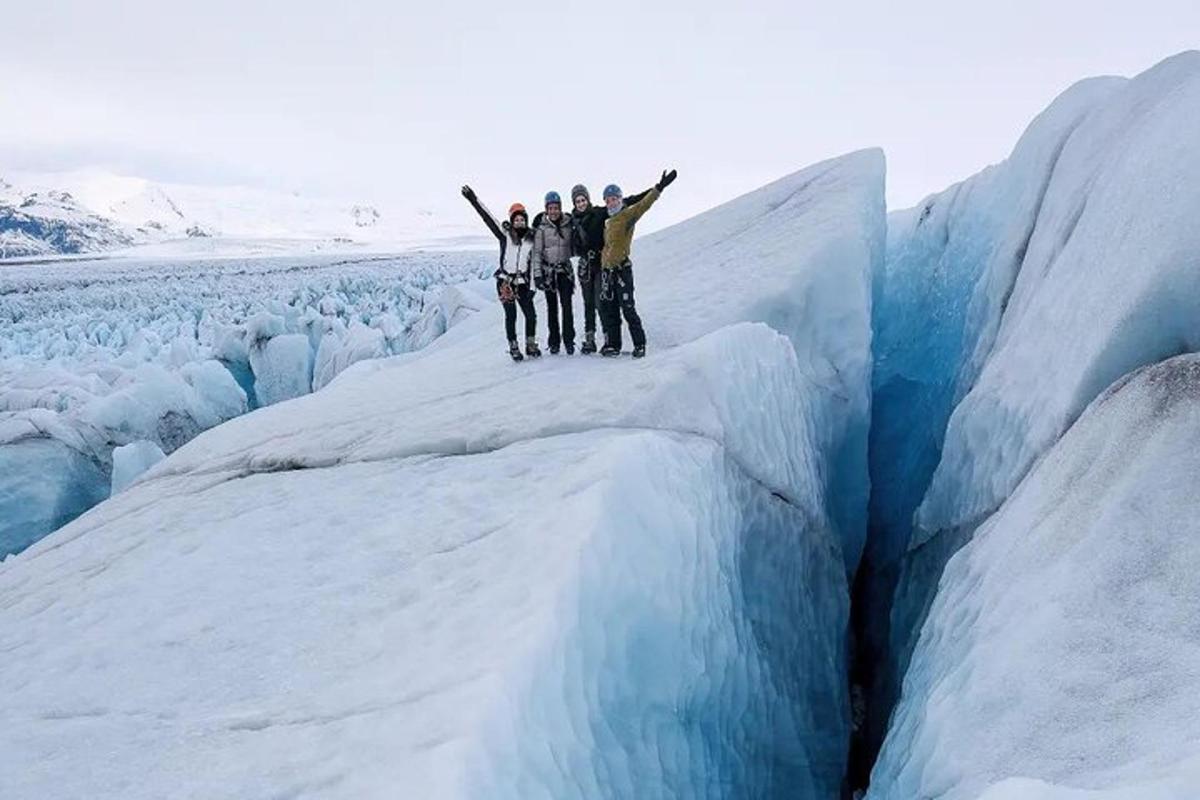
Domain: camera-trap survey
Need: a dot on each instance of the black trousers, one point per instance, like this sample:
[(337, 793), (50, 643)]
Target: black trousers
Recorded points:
[(615, 299), (563, 295), (523, 297), (589, 287)]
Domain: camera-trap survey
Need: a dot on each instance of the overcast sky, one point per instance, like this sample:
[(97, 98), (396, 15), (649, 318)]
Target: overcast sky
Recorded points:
[(388, 101)]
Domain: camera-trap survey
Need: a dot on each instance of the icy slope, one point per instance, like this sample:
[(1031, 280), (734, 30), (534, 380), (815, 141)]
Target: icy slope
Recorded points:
[(950, 266), (1062, 645), (446, 575), (1109, 283), (1008, 304), (100, 354), (796, 255)]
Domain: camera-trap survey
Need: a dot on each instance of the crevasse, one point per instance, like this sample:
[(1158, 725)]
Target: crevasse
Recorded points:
[(1093, 276)]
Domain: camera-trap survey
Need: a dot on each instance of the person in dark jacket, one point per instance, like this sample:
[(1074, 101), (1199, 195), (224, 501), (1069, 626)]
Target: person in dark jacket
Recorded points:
[(615, 294), (588, 223), (551, 267), (513, 274)]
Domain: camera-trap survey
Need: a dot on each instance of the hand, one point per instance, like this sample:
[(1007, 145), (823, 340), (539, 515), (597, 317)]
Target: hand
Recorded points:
[(541, 284), (468, 192), (506, 291), (666, 180)]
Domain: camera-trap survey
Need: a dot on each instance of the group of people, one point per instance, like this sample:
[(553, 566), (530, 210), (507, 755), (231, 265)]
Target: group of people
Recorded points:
[(538, 257)]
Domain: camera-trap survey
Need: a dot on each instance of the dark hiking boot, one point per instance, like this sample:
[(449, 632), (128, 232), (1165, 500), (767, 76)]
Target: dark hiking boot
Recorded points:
[(531, 349), (589, 344), (570, 349), (639, 351), (608, 351), (515, 352)]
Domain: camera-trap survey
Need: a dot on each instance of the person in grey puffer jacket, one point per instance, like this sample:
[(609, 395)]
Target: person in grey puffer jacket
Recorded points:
[(551, 270)]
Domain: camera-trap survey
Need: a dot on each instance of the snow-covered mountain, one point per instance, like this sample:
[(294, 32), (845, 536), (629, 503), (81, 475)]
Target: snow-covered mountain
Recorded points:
[(50, 221), (905, 496), (94, 211)]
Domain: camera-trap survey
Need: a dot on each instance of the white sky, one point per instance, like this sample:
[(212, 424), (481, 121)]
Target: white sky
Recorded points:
[(389, 102)]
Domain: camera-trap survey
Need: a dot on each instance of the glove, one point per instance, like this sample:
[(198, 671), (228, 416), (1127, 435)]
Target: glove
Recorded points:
[(666, 180), (540, 283), (468, 192)]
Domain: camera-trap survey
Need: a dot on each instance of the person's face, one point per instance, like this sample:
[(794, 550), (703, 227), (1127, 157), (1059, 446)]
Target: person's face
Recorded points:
[(582, 204), (613, 203), (519, 222), (554, 210)]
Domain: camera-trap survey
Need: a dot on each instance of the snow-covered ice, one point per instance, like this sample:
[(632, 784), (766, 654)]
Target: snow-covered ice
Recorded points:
[(99, 354), (1063, 645), (448, 575)]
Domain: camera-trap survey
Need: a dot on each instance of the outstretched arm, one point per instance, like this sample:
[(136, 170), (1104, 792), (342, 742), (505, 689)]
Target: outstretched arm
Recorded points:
[(486, 215), (643, 203), (636, 210), (634, 199)]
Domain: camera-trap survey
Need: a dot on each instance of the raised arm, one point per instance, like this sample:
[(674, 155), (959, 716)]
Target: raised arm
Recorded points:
[(486, 215), (636, 210), (640, 205), (634, 199)]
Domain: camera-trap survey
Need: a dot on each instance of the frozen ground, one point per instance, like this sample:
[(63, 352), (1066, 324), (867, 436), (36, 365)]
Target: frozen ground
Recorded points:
[(99, 354), (448, 575)]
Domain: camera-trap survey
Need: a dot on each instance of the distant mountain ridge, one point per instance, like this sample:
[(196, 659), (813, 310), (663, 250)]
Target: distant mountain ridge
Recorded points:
[(90, 211)]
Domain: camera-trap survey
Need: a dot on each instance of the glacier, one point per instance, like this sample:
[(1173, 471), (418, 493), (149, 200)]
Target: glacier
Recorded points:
[(99, 354), (1008, 304), (448, 575), (900, 505), (1061, 658)]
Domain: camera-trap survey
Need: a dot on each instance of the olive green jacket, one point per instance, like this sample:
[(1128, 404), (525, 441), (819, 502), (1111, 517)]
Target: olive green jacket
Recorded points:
[(618, 231)]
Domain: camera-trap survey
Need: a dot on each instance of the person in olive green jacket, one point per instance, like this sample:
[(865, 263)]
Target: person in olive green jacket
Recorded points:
[(616, 270)]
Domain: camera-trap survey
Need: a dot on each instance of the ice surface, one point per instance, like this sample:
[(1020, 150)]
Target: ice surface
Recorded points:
[(44, 484), (809, 279), (131, 460), (111, 352), (282, 367), (951, 263), (1108, 283), (950, 266), (1008, 303), (448, 575), (1063, 645)]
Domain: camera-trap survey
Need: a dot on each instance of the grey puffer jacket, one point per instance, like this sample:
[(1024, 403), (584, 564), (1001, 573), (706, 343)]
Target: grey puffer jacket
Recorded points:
[(551, 244)]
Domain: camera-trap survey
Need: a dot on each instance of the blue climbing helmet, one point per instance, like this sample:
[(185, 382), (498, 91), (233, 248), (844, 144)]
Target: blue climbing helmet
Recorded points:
[(612, 190), (552, 197)]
